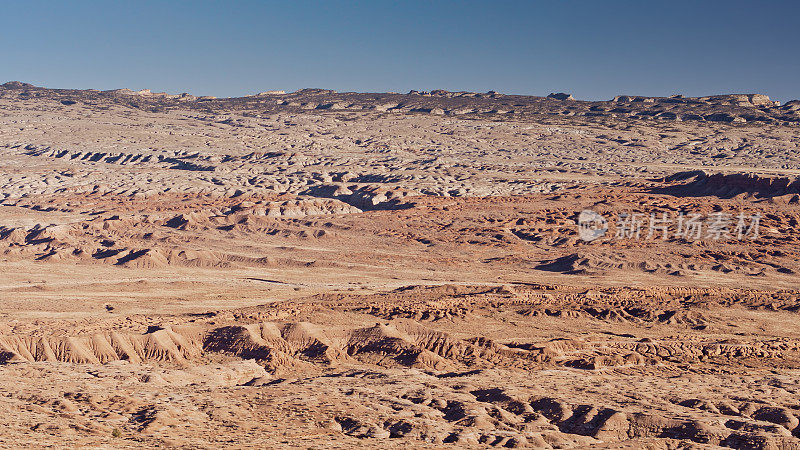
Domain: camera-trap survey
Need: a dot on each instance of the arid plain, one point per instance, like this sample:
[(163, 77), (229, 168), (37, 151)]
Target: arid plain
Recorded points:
[(335, 270)]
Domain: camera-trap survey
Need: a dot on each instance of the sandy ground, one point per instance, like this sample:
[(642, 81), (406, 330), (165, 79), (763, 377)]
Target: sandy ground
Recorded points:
[(330, 270)]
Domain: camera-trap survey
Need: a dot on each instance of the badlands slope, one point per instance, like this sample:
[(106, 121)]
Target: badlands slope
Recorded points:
[(334, 270)]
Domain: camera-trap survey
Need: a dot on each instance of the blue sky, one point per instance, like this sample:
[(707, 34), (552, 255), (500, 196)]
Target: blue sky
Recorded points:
[(592, 49)]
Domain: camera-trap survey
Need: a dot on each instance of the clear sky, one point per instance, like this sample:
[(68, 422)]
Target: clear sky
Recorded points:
[(594, 49)]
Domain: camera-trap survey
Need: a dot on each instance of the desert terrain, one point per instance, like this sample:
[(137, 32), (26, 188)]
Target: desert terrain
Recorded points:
[(319, 269)]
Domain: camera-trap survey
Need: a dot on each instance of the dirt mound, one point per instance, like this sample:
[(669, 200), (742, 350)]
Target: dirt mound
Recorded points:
[(296, 345), (158, 345), (732, 185)]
